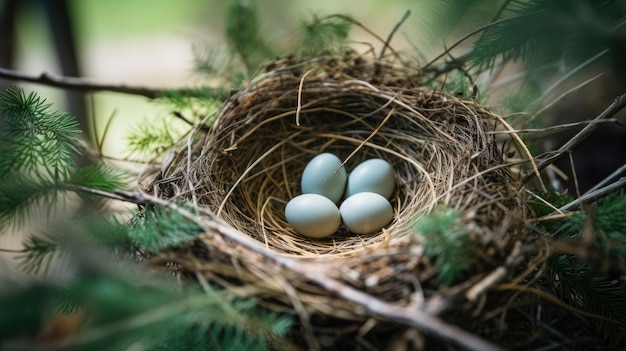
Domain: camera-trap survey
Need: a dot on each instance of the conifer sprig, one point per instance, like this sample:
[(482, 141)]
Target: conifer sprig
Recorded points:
[(589, 289), (150, 139), (607, 222), (122, 310), (38, 152), (157, 228), (19, 195), (244, 35), (97, 177), (328, 34), (577, 281), (542, 31), (39, 253), (446, 243), (36, 138)]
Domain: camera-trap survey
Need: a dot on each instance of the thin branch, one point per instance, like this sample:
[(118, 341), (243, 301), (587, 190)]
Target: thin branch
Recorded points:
[(86, 85), (76, 83), (593, 195), (120, 195), (413, 316), (180, 116), (547, 131), (569, 75), (614, 108), (608, 179), (393, 31), (360, 25), (12, 251), (500, 10)]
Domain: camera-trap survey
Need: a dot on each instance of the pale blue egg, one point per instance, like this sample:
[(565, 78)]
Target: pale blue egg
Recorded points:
[(374, 175), (313, 215), (366, 212), (323, 176)]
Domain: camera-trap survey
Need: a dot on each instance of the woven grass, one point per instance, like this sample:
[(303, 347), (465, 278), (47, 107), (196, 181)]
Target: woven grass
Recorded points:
[(247, 167)]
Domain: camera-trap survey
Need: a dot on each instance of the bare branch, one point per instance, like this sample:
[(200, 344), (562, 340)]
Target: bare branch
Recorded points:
[(594, 195), (86, 85), (614, 108), (79, 84)]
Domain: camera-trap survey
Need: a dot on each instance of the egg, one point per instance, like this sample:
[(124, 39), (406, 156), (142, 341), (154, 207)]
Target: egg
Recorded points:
[(323, 176), (313, 215), (374, 175), (366, 212)]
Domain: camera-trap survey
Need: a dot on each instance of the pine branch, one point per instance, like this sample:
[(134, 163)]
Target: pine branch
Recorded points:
[(149, 139), (543, 31), (221, 64), (111, 233), (39, 253), (445, 243), (124, 309), (328, 34), (37, 155), (18, 196), (98, 177), (244, 35), (36, 138), (590, 290), (157, 228)]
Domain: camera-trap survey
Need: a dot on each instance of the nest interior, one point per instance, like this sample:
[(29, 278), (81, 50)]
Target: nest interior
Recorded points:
[(440, 147), (248, 166)]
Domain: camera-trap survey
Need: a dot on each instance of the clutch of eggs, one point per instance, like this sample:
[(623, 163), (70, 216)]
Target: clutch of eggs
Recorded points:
[(365, 192)]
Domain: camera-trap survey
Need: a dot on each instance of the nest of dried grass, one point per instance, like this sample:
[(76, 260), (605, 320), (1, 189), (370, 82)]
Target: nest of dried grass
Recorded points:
[(245, 169)]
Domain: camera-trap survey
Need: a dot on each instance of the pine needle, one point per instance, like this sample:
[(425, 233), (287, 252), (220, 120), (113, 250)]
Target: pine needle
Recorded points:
[(445, 242)]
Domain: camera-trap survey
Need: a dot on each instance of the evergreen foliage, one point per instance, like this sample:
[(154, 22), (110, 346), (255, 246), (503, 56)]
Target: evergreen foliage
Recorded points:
[(151, 138), (155, 228), (219, 64), (39, 253), (607, 223), (249, 47), (543, 32), (446, 242), (123, 309), (328, 34), (548, 38), (582, 283), (38, 150), (589, 289), (160, 134), (126, 312), (244, 35), (36, 138), (111, 233), (115, 308)]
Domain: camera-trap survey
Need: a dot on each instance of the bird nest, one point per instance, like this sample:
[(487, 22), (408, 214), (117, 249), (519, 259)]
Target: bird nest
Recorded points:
[(247, 166)]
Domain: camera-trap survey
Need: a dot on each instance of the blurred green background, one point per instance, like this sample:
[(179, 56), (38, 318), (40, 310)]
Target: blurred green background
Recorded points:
[(149, 43)]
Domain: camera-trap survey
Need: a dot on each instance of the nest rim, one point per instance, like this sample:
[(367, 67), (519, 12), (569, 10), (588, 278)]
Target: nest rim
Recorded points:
[(315, 87)]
